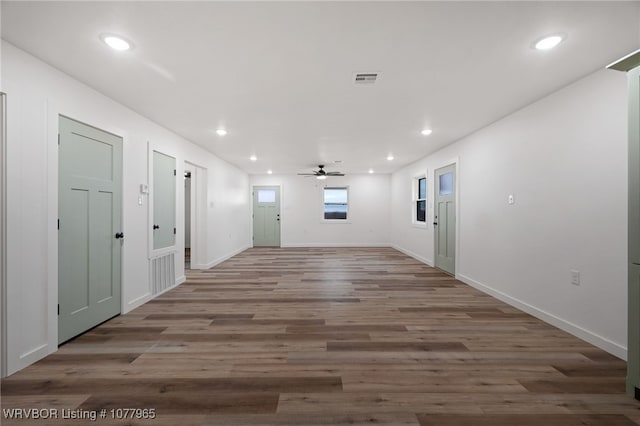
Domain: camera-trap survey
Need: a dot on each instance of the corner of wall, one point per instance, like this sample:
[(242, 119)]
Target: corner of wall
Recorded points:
[(223, 258), (413, 254)]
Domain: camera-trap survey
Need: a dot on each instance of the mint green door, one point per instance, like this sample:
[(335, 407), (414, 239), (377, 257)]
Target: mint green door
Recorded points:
[(164, 200), (266, 216), (633, 346), (444, 220), (89, 237)]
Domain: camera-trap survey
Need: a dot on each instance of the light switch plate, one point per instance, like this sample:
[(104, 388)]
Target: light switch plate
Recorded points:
[(575, 277), (511, 199)]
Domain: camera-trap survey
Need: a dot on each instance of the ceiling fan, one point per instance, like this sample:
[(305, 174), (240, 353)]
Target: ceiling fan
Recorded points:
[(321, 173)]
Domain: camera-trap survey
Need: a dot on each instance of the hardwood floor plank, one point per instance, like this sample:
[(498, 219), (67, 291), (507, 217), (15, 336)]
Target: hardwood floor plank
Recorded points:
[(396, 346), (336, 419), (345, 328), (590, 370), (201, 403), (525, 420), (597, 385), (160, 386), (204, 315)]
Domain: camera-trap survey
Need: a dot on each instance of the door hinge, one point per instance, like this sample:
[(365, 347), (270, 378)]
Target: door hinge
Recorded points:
[(58, 224), (58, 139), (174, 231), (58, 309), (174, 172)]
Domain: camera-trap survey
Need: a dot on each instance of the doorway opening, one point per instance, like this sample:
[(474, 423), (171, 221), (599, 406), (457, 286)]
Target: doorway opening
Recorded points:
[(195, 217), (187, 218)]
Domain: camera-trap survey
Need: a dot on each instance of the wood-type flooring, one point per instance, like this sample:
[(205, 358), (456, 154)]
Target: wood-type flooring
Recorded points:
[(322, 336)]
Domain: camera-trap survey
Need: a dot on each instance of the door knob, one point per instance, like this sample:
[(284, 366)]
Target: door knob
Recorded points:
[(435, 223), (120, 235), (156, 227)]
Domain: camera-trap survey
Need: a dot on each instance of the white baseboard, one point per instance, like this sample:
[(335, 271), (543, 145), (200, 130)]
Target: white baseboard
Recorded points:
[(31, 356), (586, 335), (414, 255), (322, 245), (225, 257), (198, 266), (137, 302)]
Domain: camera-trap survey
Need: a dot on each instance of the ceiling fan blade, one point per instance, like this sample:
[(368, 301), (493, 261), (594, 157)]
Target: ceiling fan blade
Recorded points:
[(335, 174), (307, 174)]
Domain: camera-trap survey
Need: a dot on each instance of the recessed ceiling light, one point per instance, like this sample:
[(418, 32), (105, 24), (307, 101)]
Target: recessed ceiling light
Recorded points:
[(221, 132), (253, 158), (390, 157), (426, 132), (269, 172), (548, 42), (115, 42), (370, 170)]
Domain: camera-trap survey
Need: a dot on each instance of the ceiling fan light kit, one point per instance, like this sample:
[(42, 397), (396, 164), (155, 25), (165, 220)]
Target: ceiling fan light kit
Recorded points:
[(321, 174)]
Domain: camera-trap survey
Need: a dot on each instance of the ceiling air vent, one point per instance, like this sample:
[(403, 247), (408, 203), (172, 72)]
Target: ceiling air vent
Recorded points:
[(365, 77)]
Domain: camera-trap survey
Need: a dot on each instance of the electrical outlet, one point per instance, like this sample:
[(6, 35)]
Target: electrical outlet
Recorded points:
[(575, 277), (139, 201)]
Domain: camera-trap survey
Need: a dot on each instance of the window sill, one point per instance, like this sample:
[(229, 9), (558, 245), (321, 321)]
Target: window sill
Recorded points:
[(335, 221), (420, 225)]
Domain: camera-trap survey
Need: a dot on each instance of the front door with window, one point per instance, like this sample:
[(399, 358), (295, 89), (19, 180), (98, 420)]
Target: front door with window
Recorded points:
[(266, 216), (444, 220)]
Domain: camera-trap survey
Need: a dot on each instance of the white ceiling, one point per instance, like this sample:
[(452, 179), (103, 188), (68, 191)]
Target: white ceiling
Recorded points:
[(278, 75)]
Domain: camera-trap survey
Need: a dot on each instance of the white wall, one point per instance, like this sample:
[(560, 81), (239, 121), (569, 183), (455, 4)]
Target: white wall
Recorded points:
[(564, 159), (36, 94), (301, 210)]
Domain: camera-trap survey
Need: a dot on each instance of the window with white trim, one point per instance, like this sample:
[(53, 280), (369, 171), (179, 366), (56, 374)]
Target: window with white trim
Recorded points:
[(335, 203), (420, 199)]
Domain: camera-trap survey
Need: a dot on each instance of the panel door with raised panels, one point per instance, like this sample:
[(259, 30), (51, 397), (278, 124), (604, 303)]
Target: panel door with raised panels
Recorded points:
[(90, 232)]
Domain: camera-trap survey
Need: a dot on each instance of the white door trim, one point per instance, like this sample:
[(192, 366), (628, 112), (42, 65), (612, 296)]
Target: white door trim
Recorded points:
[(199, 247), (3, 234)]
